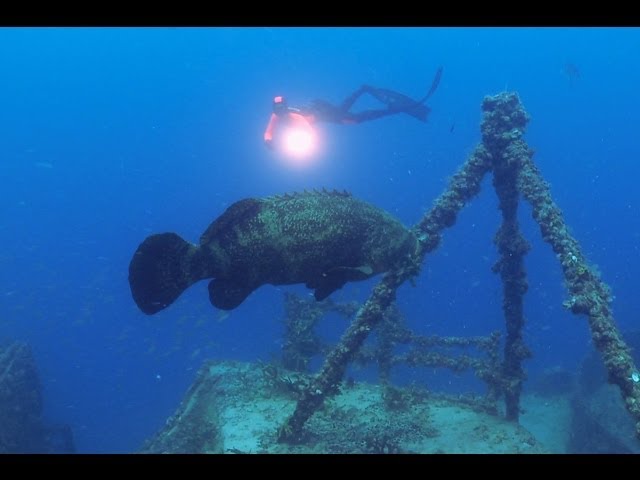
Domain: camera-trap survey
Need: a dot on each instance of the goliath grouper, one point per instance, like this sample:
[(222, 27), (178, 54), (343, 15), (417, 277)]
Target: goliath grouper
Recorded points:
[(322, 239)]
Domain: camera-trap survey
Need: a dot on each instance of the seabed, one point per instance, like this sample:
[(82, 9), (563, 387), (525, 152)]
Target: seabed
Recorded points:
[(238, 407)]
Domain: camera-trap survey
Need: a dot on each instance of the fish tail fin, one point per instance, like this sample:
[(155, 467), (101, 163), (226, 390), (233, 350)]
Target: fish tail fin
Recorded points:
[(161, 269)]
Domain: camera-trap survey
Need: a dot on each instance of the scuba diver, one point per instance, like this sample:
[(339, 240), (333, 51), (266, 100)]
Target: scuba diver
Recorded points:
[(323, 111)]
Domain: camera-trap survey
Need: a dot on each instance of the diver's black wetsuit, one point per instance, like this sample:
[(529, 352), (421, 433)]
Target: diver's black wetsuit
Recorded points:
[(324, 111)]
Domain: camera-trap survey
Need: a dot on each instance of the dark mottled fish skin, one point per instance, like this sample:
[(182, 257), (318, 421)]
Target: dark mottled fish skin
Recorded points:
[(322, 239)]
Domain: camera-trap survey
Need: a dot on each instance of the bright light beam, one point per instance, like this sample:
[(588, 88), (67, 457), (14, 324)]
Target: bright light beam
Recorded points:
[(299, 144)]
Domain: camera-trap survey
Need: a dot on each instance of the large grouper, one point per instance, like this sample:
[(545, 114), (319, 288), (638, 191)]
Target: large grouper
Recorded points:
[(322, 239)]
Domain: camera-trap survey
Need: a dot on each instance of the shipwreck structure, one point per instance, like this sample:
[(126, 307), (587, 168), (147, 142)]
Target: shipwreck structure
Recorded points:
[(302, 343), (283, 407), (504, 153), (22, 428)]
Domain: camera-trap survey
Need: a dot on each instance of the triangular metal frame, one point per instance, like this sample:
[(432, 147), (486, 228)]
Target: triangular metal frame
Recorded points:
[(504, 152)]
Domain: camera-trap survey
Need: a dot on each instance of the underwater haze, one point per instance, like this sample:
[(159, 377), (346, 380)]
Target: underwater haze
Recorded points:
[(110, 135)]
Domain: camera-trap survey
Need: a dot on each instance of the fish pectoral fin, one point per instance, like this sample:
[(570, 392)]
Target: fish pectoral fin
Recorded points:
[(352, 273), (364, 271), (334, 279), (227, 294), (326, 288)]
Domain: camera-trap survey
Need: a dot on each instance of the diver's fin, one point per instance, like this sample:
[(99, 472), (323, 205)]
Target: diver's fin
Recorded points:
[(227, 294), (335, 279), (434, 85), (160, 270)]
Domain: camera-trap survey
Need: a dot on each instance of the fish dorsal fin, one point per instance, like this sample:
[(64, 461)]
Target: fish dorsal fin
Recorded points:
[(314, 192), (238, 212)]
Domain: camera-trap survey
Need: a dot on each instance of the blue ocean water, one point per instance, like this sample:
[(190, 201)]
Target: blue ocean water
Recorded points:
[(112, 134)]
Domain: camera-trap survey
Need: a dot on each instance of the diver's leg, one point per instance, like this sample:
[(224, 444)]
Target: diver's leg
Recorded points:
[(421, 112), (348, 102), (396, 103), (391, 98), (368, 115), (381, 94)]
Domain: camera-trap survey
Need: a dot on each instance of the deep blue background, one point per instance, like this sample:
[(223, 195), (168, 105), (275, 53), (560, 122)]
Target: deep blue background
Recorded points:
[(111, 134)]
